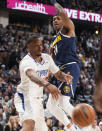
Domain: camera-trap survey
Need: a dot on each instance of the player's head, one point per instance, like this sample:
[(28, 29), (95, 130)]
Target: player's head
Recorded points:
[(57, 22), (34, 45), (94, 123)]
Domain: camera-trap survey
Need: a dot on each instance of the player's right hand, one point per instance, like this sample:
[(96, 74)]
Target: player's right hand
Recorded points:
[(69, 78), (55, 92)]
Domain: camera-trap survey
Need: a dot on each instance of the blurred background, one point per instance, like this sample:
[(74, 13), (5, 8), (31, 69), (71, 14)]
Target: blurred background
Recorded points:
[(16, 26)]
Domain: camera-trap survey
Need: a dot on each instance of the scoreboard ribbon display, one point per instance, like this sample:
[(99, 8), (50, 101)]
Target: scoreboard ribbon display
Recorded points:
[(50, 10)]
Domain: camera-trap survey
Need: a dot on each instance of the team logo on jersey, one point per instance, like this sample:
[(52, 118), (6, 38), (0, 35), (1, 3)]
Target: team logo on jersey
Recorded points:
[(66, 89), (42, 73), (56, 40)]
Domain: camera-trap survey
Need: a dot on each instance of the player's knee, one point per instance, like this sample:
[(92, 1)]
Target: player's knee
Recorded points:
[(28, 125)]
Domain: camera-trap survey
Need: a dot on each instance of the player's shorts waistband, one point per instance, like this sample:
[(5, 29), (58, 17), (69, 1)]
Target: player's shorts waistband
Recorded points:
[(68, 64), (36, 97)]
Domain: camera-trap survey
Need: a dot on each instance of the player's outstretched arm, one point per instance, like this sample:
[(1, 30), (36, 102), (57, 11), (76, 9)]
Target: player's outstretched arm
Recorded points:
[(67, 22), (38, 80), (64, 77)]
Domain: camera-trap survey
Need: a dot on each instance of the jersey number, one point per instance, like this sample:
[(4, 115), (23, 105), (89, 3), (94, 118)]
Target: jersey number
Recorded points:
[(55, 50)]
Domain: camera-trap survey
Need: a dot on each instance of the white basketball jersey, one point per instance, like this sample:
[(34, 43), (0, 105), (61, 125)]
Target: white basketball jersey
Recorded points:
[(28, 62)]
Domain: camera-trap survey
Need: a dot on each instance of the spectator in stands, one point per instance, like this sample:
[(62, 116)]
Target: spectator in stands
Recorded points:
[(2, 121), (94, 126), (60, 126), (49, 123), (12, 124), (100, 125), (1, 128)]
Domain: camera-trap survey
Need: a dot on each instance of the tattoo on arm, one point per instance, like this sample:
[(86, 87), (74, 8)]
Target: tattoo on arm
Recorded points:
[(35, 78), (60, 76)]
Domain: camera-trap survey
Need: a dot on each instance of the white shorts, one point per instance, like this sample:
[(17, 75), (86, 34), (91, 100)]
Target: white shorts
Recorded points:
[(29, 108)]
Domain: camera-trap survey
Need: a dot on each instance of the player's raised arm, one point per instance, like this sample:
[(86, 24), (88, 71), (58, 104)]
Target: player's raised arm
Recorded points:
[(35, 78), (67, 22)]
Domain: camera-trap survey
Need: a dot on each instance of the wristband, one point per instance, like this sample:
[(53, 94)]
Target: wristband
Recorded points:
[(47, 84)]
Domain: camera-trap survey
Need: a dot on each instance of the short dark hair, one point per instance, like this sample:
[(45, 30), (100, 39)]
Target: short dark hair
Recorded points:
[(32, 38)]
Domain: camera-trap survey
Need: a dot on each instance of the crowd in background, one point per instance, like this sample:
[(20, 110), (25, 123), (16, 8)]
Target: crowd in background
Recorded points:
[(13, 49)]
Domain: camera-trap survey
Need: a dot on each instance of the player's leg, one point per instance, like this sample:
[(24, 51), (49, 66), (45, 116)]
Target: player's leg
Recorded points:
[(68, 108), (24, 109), (66, 105), (41, 125), (69, 90), (28, 125), (38, 112), (54, 107)]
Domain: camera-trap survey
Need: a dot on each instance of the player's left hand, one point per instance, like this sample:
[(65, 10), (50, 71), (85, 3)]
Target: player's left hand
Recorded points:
[(69, 78)]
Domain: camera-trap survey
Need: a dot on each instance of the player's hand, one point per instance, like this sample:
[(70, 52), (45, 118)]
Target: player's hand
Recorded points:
[(55, 92), (48, 78), (69, 78)]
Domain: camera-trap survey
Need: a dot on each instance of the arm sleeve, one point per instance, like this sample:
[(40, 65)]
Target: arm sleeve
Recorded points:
[(53, 67)]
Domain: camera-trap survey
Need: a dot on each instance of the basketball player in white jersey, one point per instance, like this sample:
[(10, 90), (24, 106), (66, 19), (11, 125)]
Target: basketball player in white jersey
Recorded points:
[(34, 68)]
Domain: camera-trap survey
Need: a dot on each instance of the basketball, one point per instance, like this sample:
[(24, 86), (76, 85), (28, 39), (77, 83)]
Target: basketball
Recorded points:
[(83, 115)]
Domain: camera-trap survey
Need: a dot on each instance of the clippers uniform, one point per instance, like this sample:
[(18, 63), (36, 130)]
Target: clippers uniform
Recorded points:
[(29, 96)]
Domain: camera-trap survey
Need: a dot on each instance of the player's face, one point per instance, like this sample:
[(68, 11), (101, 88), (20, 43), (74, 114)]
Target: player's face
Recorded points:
[(57, 23), (100, 126), (94, 123), (36, 48)]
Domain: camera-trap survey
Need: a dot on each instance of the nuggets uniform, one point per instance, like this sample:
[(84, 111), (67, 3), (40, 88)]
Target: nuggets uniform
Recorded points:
[(64, 49), (28, 99)]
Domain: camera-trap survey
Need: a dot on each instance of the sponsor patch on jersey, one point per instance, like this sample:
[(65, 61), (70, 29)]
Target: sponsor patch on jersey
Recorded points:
[(66, 89), (42, 73)]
